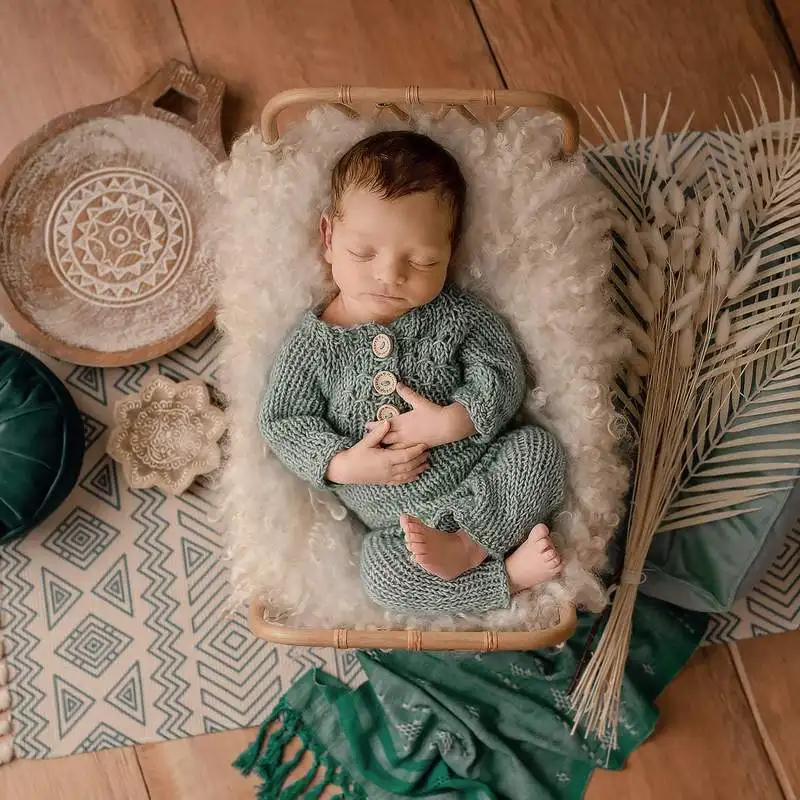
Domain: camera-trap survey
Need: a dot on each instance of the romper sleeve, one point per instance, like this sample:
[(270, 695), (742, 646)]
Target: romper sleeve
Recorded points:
[(494, 373), (292, 417)]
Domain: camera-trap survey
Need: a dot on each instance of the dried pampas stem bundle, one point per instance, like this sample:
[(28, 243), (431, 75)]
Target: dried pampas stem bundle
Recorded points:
[(707, 275)]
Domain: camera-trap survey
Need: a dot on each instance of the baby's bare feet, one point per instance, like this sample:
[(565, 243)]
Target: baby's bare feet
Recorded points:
[(442, 553), (534, 561)]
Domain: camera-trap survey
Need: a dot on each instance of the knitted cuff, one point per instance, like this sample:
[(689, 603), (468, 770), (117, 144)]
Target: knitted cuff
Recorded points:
[(323, 460), (485, 588), (485, 423)]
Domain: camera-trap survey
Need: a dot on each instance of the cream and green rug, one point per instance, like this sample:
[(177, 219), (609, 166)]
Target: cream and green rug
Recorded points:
[(112, 612)]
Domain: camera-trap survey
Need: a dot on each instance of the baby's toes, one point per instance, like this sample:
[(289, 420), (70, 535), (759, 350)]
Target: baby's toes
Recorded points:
[(540, 532), (415, 537), (417, 548), (545, 546), (413, 526)]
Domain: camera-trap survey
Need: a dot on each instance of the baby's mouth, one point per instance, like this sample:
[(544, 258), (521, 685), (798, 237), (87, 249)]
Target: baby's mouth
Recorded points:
[(381, 296)]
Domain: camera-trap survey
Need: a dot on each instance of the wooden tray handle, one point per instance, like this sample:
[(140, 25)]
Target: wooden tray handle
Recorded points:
[(191, 100), (458, 99)]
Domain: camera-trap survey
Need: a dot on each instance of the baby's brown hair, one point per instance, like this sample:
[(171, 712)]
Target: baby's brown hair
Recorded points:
[(398, 163)]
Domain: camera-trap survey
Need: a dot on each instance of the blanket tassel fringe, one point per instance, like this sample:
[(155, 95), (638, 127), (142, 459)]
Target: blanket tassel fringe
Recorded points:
[(267, 758)]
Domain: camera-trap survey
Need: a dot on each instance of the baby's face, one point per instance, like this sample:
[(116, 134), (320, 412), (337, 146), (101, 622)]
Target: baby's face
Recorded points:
[(388, 256)]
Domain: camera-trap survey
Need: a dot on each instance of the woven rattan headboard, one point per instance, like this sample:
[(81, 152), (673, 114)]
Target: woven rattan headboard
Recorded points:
[(449, 100)]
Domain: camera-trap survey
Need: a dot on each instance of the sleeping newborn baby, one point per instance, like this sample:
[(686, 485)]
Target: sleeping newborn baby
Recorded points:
[(398, 395)]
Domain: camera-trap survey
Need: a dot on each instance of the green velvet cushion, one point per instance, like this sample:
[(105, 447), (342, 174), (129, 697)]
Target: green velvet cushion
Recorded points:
[(709, 567), (41, 442)]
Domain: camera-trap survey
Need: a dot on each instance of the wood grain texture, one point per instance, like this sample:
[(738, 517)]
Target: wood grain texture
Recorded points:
[(706, 745), (772, 668), (590, 50), (21, 222), (789, 16), (88, 52), (266, 46), (196, 768), (107, 775), (200, 768)]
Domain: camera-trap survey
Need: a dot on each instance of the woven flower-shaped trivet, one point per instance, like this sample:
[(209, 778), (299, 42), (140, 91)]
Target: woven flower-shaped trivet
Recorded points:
[(167, 435)]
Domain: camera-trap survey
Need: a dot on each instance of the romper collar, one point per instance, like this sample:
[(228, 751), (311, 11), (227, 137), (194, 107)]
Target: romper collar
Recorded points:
[(409, 324)]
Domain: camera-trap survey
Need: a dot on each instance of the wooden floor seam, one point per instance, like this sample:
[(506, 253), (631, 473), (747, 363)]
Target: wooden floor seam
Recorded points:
[(781, 773)]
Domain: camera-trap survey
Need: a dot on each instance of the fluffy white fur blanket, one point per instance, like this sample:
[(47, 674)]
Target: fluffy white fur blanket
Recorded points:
[(535, 247)]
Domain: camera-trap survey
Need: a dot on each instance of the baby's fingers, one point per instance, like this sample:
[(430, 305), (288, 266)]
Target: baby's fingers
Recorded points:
[(374, 435), (417, 472), (408, 476), (419, 461), (406, 455)]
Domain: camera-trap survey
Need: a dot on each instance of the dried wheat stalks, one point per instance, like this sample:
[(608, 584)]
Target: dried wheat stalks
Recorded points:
[(708, 279)]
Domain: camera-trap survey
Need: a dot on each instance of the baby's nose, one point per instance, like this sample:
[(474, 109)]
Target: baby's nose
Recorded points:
[(392, 271)]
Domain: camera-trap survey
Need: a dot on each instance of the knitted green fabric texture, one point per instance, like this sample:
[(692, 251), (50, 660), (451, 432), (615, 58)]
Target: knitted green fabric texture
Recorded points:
[(495, 485)]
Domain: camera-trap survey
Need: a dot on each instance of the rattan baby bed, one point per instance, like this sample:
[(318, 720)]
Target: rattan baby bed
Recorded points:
[(401, 103)]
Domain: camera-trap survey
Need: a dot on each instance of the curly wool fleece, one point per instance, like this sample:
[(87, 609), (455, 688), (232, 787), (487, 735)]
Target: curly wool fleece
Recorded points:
[(535, 248)]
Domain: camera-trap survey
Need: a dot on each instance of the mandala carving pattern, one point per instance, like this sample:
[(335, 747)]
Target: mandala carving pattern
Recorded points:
[(166, 437), (118, 236)]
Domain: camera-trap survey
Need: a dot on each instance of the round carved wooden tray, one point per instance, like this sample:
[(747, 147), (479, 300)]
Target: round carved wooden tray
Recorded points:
[(99, 215)]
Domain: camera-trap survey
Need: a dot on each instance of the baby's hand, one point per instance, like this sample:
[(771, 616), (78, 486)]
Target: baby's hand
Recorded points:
[(368, 462), (427, 423)]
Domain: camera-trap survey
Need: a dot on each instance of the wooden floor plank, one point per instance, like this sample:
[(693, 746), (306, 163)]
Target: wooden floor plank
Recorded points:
[(772, 666), (264, 46), (56, 57), (107, 775), (196, 768), (706, 746), (789, 16), (589, 50)]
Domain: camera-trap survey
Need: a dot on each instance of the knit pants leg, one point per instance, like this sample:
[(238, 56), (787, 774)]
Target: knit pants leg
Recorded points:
[(392, 579), (518, 483)]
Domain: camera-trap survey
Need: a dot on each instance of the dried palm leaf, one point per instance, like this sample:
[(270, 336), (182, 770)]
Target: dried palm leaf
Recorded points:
[(718, 408)]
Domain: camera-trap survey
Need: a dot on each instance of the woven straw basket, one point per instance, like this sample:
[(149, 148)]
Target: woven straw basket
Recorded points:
[(401, 103)]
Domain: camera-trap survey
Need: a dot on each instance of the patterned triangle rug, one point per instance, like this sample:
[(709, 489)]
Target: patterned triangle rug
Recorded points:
[(111, 612)]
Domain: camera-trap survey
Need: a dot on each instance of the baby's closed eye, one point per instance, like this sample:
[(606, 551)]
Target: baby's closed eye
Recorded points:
[(362, 255)]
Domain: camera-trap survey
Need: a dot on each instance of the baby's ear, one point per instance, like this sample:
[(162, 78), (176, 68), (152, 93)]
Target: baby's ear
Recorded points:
[(326, 233)]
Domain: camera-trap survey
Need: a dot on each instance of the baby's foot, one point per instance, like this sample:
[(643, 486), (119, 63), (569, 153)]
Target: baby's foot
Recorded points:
[(442, 553), (534, 561)]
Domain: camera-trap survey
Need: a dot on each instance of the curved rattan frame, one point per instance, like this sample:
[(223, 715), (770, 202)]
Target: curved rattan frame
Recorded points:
[(413, 639), (387, 100), (460, 101)]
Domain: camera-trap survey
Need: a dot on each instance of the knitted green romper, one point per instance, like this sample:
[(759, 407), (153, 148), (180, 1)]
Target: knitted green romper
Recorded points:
[(327, 382)]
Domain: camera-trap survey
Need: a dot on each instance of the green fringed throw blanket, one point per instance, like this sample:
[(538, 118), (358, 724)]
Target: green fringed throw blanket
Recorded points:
[(494, 726)]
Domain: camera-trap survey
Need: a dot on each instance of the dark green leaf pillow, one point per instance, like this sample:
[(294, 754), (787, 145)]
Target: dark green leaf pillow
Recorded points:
[(41, 442)]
